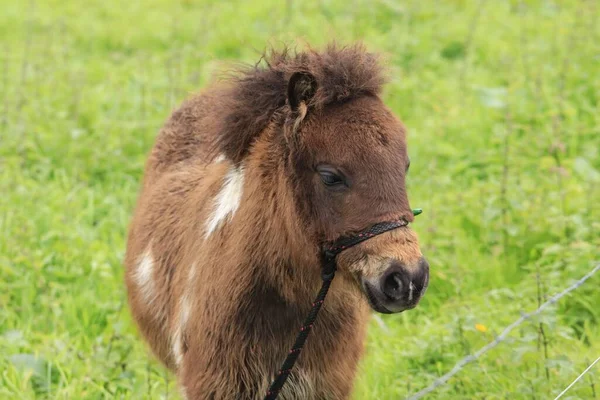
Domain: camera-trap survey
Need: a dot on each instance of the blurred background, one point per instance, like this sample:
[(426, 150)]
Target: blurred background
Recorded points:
[(501, 99)]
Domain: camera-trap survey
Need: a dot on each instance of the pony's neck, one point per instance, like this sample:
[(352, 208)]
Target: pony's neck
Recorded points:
[(279, 238)]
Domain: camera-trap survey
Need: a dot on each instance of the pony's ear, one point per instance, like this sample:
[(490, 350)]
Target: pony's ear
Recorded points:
[(301, 88)]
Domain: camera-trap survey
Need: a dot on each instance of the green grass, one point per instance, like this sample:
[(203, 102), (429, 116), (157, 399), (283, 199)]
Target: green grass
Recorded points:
[(502, 102)]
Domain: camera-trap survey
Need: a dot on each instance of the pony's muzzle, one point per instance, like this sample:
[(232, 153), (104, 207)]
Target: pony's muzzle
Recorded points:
[(399, 288)]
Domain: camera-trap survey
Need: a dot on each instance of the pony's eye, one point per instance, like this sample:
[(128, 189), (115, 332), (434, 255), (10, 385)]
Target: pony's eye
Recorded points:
[(331, 179)]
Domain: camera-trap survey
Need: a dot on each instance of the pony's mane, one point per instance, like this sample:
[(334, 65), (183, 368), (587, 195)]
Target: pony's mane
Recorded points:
[(255, 95)]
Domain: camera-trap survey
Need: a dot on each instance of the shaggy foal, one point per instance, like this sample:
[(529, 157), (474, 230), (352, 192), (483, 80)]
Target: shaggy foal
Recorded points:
[(244, 185)]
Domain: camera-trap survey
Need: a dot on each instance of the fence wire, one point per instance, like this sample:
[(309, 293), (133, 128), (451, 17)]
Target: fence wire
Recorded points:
[(501, 337), (577, 379)]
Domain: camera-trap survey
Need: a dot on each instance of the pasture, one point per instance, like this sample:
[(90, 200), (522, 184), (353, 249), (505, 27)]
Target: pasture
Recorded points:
[(502, 103)]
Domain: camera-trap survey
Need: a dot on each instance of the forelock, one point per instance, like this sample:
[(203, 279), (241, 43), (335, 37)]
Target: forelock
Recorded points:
[(256, 95)]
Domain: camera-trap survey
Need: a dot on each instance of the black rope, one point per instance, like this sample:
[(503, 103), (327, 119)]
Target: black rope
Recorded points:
[(346, 242), (328, 263), (305, 329)]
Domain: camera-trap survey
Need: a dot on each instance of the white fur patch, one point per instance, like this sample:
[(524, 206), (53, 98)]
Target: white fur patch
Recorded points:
[(227, 200), (144, 276), (219, 158), (298, 386), (184, 316), (411, 289), (177, 346), (191, 276)]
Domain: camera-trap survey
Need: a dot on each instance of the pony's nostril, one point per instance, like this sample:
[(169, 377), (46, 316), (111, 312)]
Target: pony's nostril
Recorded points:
[(392, 286)]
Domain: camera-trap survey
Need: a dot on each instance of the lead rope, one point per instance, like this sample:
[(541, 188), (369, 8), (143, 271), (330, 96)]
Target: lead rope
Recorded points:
[(327, 275), (328, 263)]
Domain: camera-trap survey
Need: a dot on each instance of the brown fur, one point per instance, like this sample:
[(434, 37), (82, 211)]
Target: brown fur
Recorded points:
[(248, 285)]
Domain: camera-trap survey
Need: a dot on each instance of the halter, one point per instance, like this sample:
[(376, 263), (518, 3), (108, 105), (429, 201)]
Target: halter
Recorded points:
[(328, 266)]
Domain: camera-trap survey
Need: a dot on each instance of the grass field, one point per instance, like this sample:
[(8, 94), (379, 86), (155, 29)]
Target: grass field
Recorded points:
[(502, 100)]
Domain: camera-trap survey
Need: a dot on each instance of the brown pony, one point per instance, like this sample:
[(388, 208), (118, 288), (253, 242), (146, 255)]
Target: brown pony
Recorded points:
[(246, 181)]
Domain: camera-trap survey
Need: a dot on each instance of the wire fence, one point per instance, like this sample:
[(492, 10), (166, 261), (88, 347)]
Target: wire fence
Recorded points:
[(502, 336), (577, 379)]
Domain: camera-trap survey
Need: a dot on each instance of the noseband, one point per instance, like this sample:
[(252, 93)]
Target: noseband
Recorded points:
[(329, 253)]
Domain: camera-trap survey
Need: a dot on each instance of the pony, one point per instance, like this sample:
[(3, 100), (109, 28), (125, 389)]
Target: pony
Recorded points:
[(244, 184)]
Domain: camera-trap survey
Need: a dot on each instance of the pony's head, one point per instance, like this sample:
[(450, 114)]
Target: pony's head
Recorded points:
[(345, 161)]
